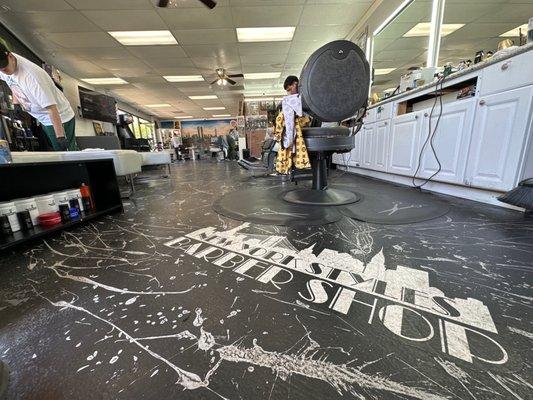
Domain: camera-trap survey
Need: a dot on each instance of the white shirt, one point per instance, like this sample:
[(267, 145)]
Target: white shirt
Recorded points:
[(176, 141), (35, 91)]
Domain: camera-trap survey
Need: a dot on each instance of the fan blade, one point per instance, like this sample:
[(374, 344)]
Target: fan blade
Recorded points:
[(163, 3), (215, 81), (209, 3), (236, 76), (230, 81)]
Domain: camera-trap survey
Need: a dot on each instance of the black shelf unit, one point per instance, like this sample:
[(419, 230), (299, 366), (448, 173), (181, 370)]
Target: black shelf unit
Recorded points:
[(32, 179)]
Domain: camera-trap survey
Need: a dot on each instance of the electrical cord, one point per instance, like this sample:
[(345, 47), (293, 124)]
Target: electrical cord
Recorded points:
[(431, 136)]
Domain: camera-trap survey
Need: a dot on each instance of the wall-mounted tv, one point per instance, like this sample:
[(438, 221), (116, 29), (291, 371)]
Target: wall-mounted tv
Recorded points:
[(97, 106)]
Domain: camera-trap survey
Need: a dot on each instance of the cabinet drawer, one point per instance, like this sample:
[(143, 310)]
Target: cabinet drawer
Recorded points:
[(509, 74), (384, 111), (370, 116)]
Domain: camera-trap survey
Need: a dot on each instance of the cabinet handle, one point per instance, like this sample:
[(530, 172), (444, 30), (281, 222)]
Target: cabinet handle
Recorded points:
[(506, 65), (482, 102), (416, 116), (426, 115)]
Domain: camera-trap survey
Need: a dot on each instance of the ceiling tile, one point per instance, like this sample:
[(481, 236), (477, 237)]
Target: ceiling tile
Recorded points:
[(169, 62), (321, 32), (37, 5), (247, 49), (82, 39), (326, 14), (245, 17), (220, 50), (126, 20), (197, 18), (146, 52), (110, 4), (211, 63), (263, 59), (53, 21), (102, 53)]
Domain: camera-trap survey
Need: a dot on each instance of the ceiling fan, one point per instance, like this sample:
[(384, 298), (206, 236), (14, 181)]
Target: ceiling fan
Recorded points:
[(174, 3), (223, 78)]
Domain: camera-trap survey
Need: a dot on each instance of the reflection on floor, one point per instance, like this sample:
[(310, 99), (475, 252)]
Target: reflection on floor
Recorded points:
[(171, 300)]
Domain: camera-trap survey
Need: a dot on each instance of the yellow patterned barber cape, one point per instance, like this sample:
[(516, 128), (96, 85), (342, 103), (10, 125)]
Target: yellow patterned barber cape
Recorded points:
[(286, 158)]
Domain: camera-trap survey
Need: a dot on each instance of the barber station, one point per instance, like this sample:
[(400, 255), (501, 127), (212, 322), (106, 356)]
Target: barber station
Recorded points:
[(266, 200)]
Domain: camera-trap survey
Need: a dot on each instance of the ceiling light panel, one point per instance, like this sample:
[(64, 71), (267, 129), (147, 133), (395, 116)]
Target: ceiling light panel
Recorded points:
[(516, 31), (207, 97), (272, 34), (383, 71), (263, 75), (144, 38), (214, 108), (162, 105), (184, 117), (184, 78), (105, 81), (221, 115), (424, 29)]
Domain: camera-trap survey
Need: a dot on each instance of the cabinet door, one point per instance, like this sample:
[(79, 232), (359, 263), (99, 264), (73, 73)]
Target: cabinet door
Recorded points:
[(367, 150), (451, 142), (355, 155), (403, 144), (380, 146), (498, 139)]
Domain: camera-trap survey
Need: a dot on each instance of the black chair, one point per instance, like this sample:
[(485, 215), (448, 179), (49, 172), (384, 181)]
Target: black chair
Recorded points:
[(334, 86)]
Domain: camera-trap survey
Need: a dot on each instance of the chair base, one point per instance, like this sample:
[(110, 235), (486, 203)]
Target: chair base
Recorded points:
[(328, 197)]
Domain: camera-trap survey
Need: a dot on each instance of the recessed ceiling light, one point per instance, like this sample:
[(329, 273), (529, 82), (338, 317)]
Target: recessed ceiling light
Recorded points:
[(516, 31), (144, 38), (208, 97), (424, 29), (105, 81), (214, 108), (262, 75), (184, 78), (383, 71), (259, 99), (221, 115), (273, 34), (163, 105), (184, 117)]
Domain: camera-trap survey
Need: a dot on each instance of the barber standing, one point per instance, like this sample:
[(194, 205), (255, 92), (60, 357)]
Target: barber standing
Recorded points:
[(37, 94)]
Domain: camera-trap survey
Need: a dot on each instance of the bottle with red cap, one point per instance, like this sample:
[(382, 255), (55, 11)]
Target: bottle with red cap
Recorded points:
[(86, 197)]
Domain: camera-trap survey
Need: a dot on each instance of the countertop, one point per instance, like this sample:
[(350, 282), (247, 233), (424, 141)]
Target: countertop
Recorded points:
[(499, 56)]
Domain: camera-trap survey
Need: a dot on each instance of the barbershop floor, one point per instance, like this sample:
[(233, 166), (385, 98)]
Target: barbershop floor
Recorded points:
[(170, 300)]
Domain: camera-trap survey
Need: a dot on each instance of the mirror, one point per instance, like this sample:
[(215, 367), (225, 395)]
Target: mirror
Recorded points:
[(469, 27), (402, 44)]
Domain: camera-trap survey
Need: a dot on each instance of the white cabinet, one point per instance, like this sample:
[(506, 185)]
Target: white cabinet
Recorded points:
[(508, 74), (380, 146), (355, 155), (404, 144), (499, 139), (337, 159), (367, 146), (451, 141)]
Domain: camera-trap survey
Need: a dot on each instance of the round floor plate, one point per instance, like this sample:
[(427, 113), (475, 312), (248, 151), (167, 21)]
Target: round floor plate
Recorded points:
[(329, 197)]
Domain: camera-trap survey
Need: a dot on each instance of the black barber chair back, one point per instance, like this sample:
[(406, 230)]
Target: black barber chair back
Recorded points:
[(334, 86), (334, 82)]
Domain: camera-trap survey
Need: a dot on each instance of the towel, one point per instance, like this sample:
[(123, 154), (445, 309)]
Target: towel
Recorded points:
[(291, 106)]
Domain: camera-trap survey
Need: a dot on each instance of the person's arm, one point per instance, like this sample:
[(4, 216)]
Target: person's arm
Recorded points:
[(56, 120)]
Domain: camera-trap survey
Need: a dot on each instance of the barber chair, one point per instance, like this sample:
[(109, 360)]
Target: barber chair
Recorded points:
[(334, 86), (267, 162)]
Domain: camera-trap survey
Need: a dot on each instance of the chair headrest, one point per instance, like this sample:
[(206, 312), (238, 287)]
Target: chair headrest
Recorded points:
[(334, 82)]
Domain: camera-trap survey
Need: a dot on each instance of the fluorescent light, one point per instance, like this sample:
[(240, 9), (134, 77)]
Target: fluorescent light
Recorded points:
[(184, 117), (105, 81), (424, 29), (263, 75), (208, 97), (249, 99), (383, 71), (221, 115), (214, 108), (163, 105), (144, 38), (184, 78), (392, 16), (275, 34), (516, 31)]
